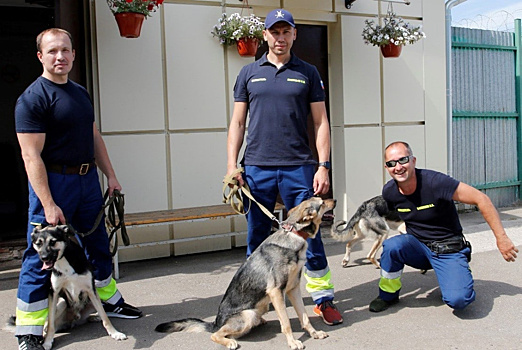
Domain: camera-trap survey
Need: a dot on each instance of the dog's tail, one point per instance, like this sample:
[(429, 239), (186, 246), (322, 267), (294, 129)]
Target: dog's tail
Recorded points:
[(343, 234), (191, 325)]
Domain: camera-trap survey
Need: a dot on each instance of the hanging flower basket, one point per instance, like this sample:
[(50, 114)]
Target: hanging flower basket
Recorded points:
[(244, 32), (129, 24), (391, 50), (247, 47), (392, 35), (129, 14)]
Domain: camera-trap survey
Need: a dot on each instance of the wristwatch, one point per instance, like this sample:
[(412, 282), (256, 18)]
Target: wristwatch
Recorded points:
[(325, 164)]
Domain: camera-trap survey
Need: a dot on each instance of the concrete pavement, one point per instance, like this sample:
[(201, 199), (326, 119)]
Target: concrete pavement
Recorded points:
[(192, 286)]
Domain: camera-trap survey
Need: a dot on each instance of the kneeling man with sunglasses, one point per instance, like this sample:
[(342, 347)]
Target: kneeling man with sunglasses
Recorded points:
[(434, 240)]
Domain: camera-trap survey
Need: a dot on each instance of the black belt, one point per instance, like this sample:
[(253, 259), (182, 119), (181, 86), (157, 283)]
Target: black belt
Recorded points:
[(81, 169)]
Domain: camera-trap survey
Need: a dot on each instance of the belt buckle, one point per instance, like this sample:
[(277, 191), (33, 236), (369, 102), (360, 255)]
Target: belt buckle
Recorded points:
[(84, 168)]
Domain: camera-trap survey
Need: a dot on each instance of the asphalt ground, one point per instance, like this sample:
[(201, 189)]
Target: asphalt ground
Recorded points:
[(192, 286)]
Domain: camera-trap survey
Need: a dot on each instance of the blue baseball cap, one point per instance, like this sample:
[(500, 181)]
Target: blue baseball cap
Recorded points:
[(279, 15)]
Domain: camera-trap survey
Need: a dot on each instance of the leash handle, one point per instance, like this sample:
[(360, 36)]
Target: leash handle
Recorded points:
[(232, 184), (233, 197), (115, 205)]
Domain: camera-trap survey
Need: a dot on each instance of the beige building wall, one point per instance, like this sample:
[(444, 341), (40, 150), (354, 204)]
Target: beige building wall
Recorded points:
[(164, 102)]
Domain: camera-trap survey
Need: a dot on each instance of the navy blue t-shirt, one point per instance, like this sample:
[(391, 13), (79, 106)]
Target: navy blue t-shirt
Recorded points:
[(279, 105), (64, 113), (429, 212)]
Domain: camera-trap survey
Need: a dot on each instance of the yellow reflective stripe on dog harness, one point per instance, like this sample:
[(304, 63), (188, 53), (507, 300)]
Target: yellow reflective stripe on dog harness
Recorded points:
[(31, 318)]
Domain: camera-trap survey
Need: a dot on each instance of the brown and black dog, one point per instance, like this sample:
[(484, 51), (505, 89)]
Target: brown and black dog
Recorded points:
[(372, 219), (272, 270)]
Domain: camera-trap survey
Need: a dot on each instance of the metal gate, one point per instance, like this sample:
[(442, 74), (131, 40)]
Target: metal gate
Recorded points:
[(486, 111)]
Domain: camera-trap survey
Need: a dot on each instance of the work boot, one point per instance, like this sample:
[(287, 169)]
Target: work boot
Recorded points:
[(378, 305)]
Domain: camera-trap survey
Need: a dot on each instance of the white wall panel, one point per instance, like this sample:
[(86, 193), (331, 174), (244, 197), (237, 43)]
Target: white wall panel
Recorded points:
[(371, 6), (404, 84), (144, 234), (359, 6), (199, 229), (361, 75), (323, 5), (364, 166), (270, 3), (198, 167), (129, 74), (139, 163), (195, 68)]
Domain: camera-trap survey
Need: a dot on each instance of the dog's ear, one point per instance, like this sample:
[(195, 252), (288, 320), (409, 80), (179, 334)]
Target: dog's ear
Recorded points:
[(303, 217), (36, 230), (309, 214), (64, 228)]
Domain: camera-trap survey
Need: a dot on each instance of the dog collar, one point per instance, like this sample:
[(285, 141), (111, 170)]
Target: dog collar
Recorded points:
[(291, 228)]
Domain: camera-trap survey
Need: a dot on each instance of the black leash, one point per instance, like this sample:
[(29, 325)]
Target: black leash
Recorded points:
[(115, 207)]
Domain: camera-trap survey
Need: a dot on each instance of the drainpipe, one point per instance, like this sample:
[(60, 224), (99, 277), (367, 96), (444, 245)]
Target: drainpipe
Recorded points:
[(449, 110)]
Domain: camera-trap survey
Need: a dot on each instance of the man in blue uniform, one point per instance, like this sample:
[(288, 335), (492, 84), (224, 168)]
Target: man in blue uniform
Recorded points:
[(279, 91), (62, 148), (434, 240)]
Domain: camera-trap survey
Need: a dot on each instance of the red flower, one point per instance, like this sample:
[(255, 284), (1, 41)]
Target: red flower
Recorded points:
[(129, 0), (150, 6)]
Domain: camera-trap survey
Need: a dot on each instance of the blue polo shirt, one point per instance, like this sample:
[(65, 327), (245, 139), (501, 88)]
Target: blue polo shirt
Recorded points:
[(279, 105)]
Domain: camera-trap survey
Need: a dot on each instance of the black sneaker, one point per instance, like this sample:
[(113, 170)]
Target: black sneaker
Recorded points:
[(378, 305), (123, 310), (30, 342)]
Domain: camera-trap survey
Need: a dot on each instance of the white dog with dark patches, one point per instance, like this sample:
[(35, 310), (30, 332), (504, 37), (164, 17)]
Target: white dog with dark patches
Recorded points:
[(73, 296)]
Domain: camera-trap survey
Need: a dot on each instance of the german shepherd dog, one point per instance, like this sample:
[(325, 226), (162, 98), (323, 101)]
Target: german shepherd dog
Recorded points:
[(372, 219), (72, 297), (272, 270)]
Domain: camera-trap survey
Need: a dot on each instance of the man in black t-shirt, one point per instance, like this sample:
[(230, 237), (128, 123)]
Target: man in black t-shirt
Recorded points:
[(62, 149), (434, 240)]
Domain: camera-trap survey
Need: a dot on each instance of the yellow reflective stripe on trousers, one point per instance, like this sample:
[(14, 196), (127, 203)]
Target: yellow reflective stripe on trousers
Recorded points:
[(31, 318), (319, 284), (390, 285), (107, 291)]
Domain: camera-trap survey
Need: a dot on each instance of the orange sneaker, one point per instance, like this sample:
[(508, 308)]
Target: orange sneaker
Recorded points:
[(329, 313)]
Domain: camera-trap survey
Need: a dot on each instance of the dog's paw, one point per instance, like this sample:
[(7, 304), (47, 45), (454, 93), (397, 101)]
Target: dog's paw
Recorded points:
[(118, 336), (319, 335), (295, 344), (94, 318), (345, 262), (48, 344), (375, 263), (232, 344)]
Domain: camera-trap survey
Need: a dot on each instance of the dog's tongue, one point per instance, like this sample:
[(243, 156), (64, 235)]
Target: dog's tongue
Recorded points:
[(47, 265)]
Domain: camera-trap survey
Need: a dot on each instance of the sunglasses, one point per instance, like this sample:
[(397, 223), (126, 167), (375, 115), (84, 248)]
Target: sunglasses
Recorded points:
[(402, 161)]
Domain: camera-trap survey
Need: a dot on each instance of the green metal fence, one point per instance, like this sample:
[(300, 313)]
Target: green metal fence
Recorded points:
[(486, 126)]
